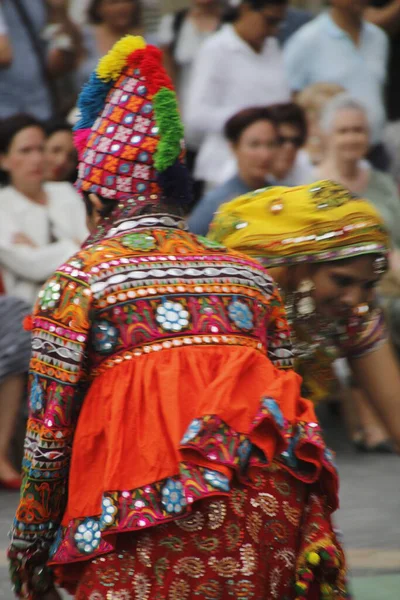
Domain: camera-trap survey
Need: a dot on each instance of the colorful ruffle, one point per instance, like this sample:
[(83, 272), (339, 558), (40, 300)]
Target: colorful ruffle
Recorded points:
[(299, 449)]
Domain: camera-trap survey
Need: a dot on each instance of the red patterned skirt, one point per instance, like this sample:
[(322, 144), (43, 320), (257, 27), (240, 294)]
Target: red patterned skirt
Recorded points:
[(272, 541)]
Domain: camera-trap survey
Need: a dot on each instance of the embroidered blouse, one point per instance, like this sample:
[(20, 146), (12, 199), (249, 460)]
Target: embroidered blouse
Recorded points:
[(160, 369)]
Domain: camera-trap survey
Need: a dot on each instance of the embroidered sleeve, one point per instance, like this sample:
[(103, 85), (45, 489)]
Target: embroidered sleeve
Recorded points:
[(367, 336), (57, 377), (279, 342)]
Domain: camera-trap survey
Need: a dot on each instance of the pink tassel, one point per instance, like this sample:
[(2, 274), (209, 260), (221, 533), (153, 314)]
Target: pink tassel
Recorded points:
[(81, 137)]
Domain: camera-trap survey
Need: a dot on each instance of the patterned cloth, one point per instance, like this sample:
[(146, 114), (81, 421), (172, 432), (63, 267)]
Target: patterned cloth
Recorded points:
[(223, 550), (284, 226), (123, 335)]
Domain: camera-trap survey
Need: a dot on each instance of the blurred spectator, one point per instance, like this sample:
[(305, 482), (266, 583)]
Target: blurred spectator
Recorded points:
[(14, 362), (295, 18), (60, 153), (41, 224), (386, 14), (290, 167), (239, 66), (151, 16), (345, 125), (340, 46), (312, 100), (253, 138), (109, 20), (78, 10), (181, 35), (34, 55)]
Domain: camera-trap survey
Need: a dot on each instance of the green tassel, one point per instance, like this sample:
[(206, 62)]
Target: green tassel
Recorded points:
[(170, 129)]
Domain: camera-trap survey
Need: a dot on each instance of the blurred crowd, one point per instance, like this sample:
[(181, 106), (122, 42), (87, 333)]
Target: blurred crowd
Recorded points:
[(271, 92)]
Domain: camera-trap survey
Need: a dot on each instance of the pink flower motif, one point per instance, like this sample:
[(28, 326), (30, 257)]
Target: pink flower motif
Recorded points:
[(116, 97), (104, 145), (90, 157), (124, 184), (142, 124), (122, 134), (107, 193), (141, 172), (129, 85)]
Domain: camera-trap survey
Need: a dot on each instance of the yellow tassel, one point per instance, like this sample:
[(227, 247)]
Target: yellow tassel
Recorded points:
[(111, 65)]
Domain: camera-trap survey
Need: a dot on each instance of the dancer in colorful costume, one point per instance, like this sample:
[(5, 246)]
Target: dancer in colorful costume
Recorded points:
[(327, 250), (169, 453)]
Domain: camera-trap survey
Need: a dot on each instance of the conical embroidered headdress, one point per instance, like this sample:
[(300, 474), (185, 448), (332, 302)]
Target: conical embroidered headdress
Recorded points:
[(130, 135)]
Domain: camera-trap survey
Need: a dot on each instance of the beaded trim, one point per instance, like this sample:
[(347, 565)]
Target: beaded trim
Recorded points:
[(195, 340), (331, 255)]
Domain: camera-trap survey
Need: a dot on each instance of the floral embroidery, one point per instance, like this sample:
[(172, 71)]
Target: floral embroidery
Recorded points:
[(180, 590), (268, 504), (209, 244), (216, 514), (226, 567), (173, 496), (139, 241), (36, 396), (217, 480), (244, 452), (191, 432), (273, 407), (241, 315), (88, 536), (172, 316), (190, 566), (249, 560), (49, 295), (105, 337), (109, 513)]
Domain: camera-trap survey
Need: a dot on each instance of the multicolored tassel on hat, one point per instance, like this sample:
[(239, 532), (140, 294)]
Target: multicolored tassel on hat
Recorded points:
[(130, 135)]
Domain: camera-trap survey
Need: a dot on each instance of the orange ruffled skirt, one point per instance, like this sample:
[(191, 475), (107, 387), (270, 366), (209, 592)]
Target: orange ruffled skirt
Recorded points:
[(164, 431)]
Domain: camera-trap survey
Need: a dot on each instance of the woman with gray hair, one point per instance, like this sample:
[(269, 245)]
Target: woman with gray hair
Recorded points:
[(344, 124), (345, 127)]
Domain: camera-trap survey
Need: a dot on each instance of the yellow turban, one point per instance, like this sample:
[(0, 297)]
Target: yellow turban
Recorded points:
[(283, 226)]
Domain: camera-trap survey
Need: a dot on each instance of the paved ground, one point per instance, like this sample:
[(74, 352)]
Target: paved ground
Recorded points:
[(369, 517)]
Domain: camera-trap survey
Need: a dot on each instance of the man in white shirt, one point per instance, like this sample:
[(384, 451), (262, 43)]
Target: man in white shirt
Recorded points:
[(340, 46), (239, 66)]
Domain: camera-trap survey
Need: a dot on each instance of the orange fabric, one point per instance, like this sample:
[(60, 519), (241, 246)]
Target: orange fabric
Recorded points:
[(135, 415)]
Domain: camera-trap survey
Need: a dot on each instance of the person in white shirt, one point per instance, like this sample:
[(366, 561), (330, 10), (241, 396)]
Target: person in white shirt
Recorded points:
[(239, 66), (341, 47), (181, 35), (41, 224)]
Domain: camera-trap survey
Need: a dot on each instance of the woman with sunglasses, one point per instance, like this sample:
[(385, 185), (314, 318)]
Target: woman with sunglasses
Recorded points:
[(291, 166), (252, 136)]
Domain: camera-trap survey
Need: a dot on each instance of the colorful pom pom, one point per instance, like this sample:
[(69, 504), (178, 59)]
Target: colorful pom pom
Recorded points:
[(28, 323), (313, 559), (80, 140), (301, 586), (326, 590), (91, 101), (150, 64), (112, 64)]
